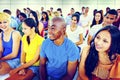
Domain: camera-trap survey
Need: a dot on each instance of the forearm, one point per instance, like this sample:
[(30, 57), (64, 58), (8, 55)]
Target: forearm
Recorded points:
[(10, 56), (43, 74)]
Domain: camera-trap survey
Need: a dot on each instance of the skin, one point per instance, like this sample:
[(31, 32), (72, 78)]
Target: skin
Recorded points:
[(102, 44), (73, 28), (4, 25), (108, 20), (56, 33), (97, 17), (22, 69)]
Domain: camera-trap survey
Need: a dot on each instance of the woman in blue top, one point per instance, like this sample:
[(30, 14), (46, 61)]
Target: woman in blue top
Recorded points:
[(9, 45)]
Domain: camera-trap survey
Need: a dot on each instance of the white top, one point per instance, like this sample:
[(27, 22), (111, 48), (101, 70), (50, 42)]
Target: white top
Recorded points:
[(95, 29), (74, 35)]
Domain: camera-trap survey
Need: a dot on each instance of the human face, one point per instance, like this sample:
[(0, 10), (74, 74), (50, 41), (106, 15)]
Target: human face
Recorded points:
[(74, 20), (4, 25), (25, 29), (54, 30), (102, 41), (44, 15), (109, 19), (97, 17)]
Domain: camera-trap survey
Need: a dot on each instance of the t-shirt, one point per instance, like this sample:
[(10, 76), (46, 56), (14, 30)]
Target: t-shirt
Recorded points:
[(58, 56), (95, 29), (74, 35), (31, 49)]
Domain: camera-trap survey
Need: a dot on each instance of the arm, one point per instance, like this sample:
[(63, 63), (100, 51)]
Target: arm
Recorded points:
[(1, 48), (81, 70), (23, 55), (80, 39), (40, 27), (71, 69), (15, 48), (43, 74), (28, 64), (89, 39)]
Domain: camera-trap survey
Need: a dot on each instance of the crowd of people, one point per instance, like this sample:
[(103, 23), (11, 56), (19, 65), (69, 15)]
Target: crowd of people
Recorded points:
[(46, 45)]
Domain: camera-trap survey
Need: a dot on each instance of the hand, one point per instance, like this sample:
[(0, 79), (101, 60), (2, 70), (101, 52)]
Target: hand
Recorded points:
[(12, 72), (22, 72)]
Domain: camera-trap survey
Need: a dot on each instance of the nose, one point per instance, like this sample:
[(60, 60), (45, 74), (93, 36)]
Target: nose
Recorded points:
[(99, 42)]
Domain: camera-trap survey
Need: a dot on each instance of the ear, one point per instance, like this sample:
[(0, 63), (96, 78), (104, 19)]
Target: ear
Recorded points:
[(33, 29)]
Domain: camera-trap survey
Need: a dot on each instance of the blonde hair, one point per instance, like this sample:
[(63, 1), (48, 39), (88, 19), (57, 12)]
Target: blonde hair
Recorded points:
[(4, 16)]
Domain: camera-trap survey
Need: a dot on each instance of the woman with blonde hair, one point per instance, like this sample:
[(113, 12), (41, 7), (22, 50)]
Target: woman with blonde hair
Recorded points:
[(9, 45)]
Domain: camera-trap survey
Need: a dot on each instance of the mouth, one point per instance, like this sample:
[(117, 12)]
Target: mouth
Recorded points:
[(98, 47)]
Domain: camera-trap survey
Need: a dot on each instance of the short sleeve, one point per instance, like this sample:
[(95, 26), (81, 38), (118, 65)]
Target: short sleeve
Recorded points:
[(73, 52), (42, 50)]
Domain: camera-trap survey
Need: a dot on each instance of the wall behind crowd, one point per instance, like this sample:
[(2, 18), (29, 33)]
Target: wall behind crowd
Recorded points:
[(64, 4)]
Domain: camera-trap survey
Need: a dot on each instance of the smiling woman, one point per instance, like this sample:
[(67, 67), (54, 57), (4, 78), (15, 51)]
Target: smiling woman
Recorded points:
[(9, 45)]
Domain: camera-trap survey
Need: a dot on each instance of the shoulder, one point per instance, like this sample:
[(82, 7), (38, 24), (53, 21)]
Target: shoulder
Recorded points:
[(16, 34), (39, 38)]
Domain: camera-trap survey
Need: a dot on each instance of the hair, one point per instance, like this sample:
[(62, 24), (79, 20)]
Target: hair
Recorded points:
[(7, 11), (4, 16), (60, 20), (23, 15), (94, 21), (92, 58), (77, 16), (30, 23), (112, 11), (47, 17), (36, 17)]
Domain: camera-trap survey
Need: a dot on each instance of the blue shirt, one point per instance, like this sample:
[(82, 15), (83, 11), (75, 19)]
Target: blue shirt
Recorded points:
[(7, 46), (58, 56)]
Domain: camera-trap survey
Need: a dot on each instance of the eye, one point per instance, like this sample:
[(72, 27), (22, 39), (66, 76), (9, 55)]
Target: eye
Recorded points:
[(105, 41), (4, 22), (98, 37)]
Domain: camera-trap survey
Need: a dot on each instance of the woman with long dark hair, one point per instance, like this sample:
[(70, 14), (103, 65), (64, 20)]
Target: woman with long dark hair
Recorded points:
[(31, 43), (98, 58)]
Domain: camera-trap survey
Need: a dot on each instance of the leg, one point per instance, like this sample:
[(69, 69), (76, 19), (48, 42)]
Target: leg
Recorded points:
[(4, 68)]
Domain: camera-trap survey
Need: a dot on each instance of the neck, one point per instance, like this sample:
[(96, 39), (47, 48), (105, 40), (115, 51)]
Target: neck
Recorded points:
[(6, 32), (59, 41), (32, 35)]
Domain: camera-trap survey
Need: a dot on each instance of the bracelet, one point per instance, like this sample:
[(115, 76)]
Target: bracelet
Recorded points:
[(22, 63)]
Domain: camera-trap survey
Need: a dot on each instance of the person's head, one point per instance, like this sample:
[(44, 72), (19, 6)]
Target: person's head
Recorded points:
[(42, 8), (86, 9), (72, 11), (56, 28), (4, 21), (110, 17), (105, 41), (83, 9), (56, 14), (29, 26), (7, 11), (98, 18), (22, 16), (34, 16), (107, 9), (75, 18), (118, 11), (44, 16), (51, 9)]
